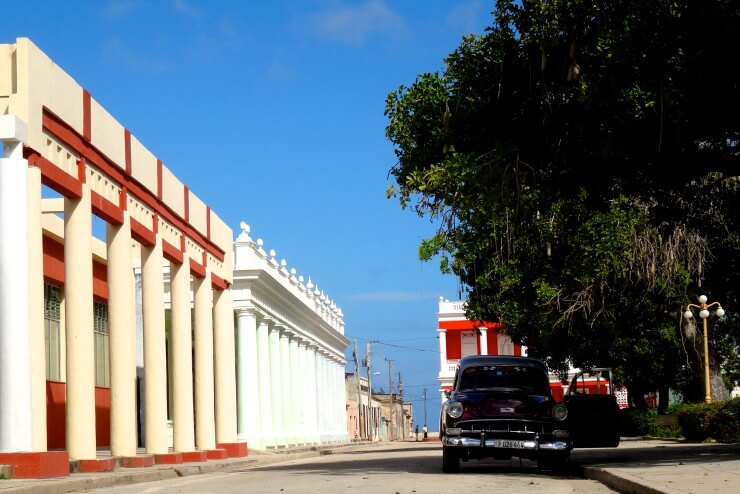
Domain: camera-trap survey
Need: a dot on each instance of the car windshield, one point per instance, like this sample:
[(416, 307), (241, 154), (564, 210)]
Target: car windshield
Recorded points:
[(514, 377)]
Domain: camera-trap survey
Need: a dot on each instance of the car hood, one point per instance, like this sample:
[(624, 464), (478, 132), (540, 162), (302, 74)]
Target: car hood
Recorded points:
[(503, 404)]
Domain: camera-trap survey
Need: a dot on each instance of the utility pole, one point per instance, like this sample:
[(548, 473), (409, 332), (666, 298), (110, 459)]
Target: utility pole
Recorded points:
[(391, 435), (403, 413), (370, 419), (425, 407), (360, 429)]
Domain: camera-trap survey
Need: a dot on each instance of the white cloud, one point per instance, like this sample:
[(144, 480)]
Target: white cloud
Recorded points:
[(116, 9), (185, 8), (354, 24), (116, 51), (391, 296), (466, 17)]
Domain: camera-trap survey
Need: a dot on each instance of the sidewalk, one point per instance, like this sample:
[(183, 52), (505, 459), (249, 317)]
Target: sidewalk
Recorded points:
[(125, 476), (663, 466), (637, 466)]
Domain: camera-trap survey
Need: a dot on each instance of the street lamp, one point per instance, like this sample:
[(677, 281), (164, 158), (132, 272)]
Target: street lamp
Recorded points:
[(704, 314)]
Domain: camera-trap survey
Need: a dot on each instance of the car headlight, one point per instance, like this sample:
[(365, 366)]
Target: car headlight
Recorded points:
[(455, 410), (559, 412)]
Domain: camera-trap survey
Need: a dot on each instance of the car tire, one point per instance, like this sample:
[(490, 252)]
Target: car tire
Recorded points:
[(450, 460), (556, 462)]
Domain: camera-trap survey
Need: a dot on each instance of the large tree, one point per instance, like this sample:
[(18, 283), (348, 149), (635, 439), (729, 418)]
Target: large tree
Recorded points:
[(579, 157)]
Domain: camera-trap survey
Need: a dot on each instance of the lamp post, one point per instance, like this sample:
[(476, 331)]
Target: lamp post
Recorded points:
[(704, 314)]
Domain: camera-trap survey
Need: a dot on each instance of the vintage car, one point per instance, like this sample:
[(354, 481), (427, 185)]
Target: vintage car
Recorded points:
[(502, 407)]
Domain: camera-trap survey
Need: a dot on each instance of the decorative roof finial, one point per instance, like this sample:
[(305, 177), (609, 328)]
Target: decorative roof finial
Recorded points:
[(260, 250), (283, 269), (273, 261), (293, 279)]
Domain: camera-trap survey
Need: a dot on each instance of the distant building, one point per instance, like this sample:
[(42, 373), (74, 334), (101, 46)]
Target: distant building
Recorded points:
[(460, 337), (363, 423)]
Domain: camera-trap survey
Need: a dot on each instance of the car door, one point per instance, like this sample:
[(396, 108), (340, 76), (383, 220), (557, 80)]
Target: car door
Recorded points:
[(593, 412)]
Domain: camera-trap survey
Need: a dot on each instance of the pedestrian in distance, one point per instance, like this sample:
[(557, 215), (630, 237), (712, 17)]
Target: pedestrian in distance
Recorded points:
[(425, 431), (416, 432)]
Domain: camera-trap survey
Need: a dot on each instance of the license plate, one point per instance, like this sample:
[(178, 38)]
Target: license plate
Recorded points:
[(507, 443)]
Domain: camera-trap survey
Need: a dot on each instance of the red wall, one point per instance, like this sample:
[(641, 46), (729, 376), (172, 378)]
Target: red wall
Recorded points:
[(454, 349), (56, 404), (56, 391)]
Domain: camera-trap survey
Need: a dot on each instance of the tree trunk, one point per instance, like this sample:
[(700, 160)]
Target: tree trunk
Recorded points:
[(716, 383), (663, 395)]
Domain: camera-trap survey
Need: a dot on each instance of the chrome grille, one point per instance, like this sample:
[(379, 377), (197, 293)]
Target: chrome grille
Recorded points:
[(504, 425)]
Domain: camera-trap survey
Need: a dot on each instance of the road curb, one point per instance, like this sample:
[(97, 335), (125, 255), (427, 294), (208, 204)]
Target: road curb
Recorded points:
[(622, 481), (84, 482)]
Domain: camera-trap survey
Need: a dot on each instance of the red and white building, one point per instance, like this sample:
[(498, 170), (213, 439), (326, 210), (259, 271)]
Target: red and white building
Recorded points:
[(460, 337)]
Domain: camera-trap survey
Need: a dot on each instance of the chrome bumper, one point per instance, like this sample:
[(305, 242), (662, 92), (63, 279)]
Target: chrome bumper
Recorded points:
[(473, 442)]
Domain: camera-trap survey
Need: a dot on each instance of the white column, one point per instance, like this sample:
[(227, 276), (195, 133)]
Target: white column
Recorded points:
[(305, 391), (483, 340), (155, 349), (321, 409), (36, 308), (286, 387), (78, 294), (16, 427), (442, 350), (295, 390), (121, 310), (248, 392), (225, 367), (181, 338), (265, 425), (276, 385), (343, 426), (205, 428), (314, 395)]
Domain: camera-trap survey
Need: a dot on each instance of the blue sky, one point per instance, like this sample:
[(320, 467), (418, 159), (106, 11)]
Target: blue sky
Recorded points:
[(272, 113)]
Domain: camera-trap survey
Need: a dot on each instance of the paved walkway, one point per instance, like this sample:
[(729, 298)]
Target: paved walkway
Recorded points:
[(663, 466), (636, 466)]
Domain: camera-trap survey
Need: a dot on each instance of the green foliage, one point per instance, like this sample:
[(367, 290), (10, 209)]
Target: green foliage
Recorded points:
[(694, 421), (578, 158), (724, 424), (636, 422)]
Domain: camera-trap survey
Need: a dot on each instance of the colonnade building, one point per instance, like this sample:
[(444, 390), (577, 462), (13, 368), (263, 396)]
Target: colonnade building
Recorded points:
[(115, 343)]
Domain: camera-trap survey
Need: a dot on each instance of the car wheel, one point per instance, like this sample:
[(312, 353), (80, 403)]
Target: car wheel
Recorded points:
[(450, 460), (553, 461)]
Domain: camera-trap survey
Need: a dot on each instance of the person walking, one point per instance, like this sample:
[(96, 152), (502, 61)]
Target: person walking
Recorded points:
[(416, 432), (425, 431)]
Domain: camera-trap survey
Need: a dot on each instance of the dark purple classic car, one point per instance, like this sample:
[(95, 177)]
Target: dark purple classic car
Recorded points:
[(502, 407)]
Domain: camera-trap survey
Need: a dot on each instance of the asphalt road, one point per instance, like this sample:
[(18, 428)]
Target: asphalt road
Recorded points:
[(400, 468)]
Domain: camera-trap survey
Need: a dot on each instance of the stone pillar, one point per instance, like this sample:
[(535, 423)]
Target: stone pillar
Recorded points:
[(16, 403), (224, 371), (276, 384), (304, 391), (287, 418), (296, 403), (483, 340), (182, 360), (266, 428), (442, 350), (122, 310), (322, 394), (313, 394), (36, 308), (248, 392), (205, 428), (78, 295), (155, 349)]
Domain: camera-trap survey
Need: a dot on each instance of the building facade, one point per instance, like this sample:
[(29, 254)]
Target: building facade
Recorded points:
[(460, 337), (363, 420), (134, 340), (290, 353)]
